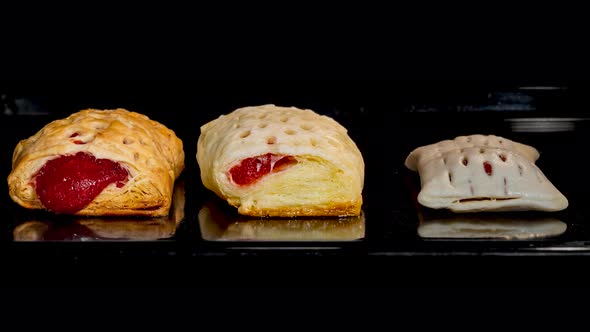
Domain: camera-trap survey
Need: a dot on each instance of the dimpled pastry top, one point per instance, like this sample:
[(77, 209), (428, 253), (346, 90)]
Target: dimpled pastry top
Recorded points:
[(98, 162)]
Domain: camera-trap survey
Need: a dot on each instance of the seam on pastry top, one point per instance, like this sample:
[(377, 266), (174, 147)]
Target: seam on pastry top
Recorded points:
[(480, 199)]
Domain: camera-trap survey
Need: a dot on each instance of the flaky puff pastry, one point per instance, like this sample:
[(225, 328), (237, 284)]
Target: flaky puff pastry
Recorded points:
[(483, 173), (151, 153), (325, 179)]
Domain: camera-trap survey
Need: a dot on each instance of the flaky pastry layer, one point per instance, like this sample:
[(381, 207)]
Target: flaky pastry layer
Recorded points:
[(151, 153), (326, 180)]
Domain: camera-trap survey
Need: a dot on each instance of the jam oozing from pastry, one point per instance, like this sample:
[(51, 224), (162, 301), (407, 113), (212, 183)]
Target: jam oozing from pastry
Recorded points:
[(69, 183), (252, 169)]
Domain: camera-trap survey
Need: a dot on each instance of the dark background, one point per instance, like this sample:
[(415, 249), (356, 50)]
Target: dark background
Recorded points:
[(387, 118), (184, 67)]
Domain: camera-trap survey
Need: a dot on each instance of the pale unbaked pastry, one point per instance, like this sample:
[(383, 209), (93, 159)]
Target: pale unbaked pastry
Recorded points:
[(151, 153), (323, 178), (483, 173)]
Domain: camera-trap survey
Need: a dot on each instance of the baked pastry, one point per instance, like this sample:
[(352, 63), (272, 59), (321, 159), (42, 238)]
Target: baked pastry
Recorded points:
[(281, 161), (218, 224), (98, 162), (483, 173)]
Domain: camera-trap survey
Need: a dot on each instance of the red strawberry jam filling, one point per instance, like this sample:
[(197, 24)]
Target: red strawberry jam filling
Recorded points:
[(69, 183), (252, 169), (487, 167)]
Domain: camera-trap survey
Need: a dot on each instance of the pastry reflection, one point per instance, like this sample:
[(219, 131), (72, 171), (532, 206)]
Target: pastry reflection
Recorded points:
[(490, 226), (106, 229), (218, 223)]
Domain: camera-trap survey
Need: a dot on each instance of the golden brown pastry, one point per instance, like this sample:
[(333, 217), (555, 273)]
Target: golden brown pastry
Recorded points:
[(281, 161), (483, 173), (98, 162)]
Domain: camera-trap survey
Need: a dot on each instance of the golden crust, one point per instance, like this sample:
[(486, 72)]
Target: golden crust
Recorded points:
[(327, 179), (332, 210), (151, 153)]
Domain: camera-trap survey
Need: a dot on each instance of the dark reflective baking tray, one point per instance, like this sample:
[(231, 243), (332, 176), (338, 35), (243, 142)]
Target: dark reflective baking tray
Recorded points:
[(386, 130), (43, 226), (220, 222)]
